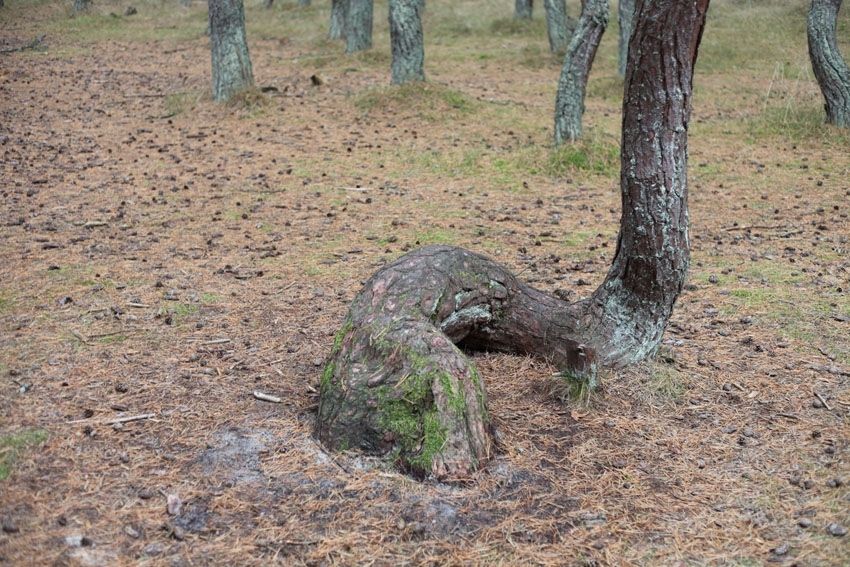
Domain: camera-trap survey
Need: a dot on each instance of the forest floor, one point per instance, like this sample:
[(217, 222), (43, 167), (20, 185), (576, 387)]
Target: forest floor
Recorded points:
[(164, 257)]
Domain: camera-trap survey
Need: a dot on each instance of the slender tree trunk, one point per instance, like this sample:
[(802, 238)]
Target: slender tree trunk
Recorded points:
[(523, 9), (231, 63), (396, 383), (559, 26), (406, 41), (303, 3), (358, 26), (267, 4), (339, 13), (829, 67), (625, 13), (569, 102), (81, 5)]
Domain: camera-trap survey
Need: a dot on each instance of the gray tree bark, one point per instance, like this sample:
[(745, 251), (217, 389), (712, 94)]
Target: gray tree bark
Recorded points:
[(559, 26), (358, 26), (406, 41), (268, 4), (830, 69), (523, 9), (303, 3), (339, 13), (625, 13), (81, 5), (396, 383), (569, 102), (231, 63)]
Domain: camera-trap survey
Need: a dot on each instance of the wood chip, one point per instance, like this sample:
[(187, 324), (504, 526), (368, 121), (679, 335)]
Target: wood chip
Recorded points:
[(267, 397)]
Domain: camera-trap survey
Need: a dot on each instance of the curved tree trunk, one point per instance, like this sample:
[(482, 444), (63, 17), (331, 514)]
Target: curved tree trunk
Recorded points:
[(396, 383), (406, 41), (523, 9), (569, 102), (625, 13), (559, 26), (829, 68), (231, 63), (339, 13), (358, 26)]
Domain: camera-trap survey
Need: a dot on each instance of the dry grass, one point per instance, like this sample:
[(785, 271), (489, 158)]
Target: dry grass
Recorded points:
[(163, 254)]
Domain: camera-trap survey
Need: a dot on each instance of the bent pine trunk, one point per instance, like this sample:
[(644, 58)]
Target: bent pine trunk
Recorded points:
[(396, 382), (829, 68), (569, 102)]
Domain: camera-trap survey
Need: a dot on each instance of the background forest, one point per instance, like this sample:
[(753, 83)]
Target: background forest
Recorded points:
[(164, 257)]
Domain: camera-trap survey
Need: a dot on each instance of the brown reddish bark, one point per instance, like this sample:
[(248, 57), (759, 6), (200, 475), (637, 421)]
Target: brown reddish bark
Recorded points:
[(397, 383)]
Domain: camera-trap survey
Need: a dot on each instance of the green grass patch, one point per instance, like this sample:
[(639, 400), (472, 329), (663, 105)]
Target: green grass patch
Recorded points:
[(13, 446), (429, 101), (592, 153)]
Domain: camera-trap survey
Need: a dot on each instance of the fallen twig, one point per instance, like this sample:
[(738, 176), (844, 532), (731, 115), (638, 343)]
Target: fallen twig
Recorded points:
[(788, 415), (130, 418), (267, 397), (823, 401), (216, 342)]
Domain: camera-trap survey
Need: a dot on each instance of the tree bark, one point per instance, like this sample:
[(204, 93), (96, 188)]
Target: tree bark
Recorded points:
[(406, 41), (625, 13), (523, 9), (626, 316), (358, 26), (303, 3), (231, 63), (396, 383), (559, 26), (569, 102), (339, 13), (81, 5), (829, 67)]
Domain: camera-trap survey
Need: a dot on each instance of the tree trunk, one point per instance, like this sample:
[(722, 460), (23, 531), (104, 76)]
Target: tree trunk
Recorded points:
[(396, 383), (523, 9), (569, 102), (406, 41), (267, 4), (303, 3), (358, 26), (829, 68), (339, 13), (625, 14), (231, 63), (81, 5), (559, 26)]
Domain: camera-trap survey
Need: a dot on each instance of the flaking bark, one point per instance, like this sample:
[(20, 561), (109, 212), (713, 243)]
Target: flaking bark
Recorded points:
[(358, 25), (559, 26), (231, 62), (569, 102), (406, 41), (625, 13), (829, 67), (339, 13)]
